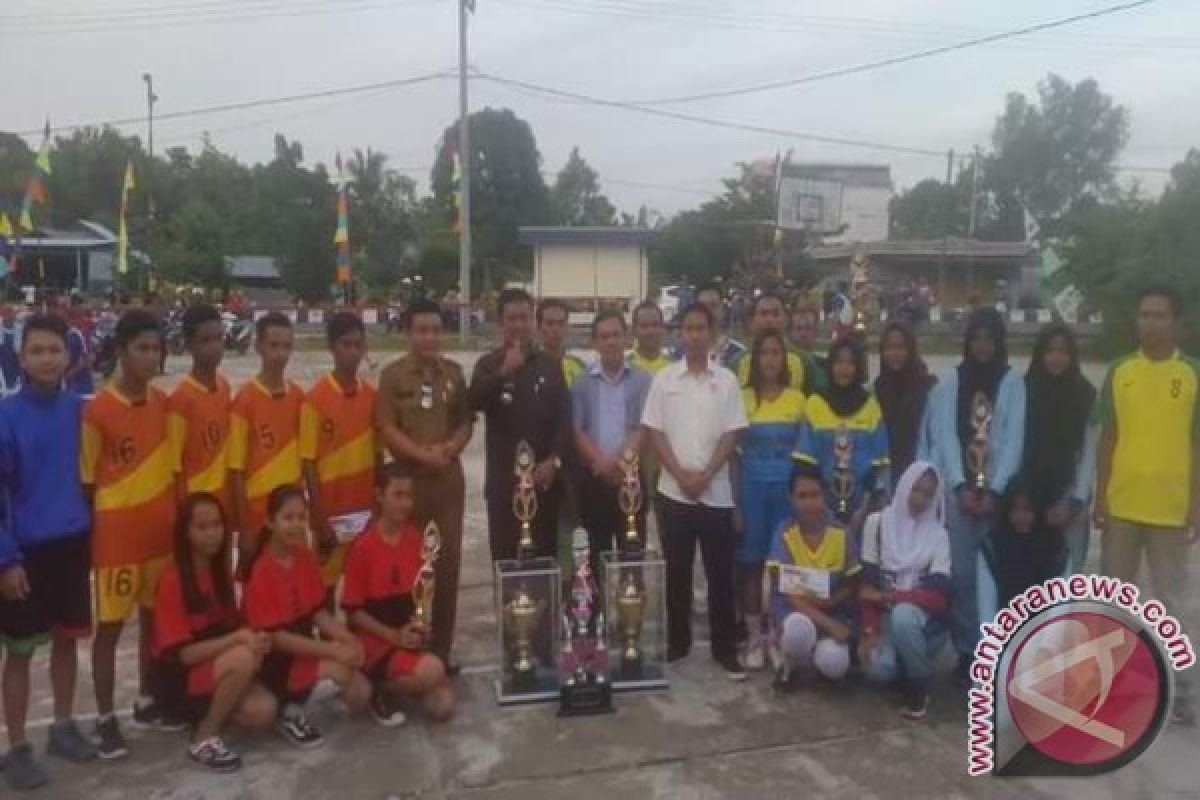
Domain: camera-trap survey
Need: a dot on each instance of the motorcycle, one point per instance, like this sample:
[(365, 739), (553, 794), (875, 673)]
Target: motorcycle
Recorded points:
[(174, 335), (239, 333), (104, 345)]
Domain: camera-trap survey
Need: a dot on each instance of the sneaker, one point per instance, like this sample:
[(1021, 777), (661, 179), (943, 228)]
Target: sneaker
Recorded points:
[(733, 668), (21, 771), (299, 732), (213, 755), (67, 742), (385, 713), (110, 744), (755, 656), (916, 705), (1183, 712), (148, 715)]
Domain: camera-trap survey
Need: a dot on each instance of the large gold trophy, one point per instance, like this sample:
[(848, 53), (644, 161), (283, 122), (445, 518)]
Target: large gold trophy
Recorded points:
[(423, 586), (522, 613), (525, 502), (631, 611), (629, 497), (843, 471), (981, 436)]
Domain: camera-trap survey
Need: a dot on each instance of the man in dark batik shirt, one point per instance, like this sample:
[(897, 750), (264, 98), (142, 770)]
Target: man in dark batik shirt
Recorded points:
[(522, 395)]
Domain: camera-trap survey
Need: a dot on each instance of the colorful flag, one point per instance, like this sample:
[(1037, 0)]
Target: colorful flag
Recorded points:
[(6, 229), (341, 236), (123, 229), (35, 190)]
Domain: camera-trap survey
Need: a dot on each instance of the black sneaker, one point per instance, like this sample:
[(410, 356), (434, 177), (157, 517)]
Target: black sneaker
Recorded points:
[(213, 755), (110, 744), (1183, 712), (299, 732), (733, 668), (385, 713), (916, 705), (150, 716)]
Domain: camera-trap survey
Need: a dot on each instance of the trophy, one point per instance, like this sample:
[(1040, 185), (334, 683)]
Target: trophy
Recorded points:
[(859, 281), (525, 502), (843, 472), (423, 586), (522, 613), (584, 687), (629, 498), (631, 609), (981, 434)]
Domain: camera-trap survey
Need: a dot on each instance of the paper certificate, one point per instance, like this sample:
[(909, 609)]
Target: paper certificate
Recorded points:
[(347, 526), (804, 581)]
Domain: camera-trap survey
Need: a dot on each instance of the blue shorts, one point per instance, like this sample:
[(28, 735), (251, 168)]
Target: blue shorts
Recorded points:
[(764, 505)]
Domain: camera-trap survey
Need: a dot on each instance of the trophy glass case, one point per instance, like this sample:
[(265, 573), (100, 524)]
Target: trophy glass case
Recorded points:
[(635, 613), (528, 596)]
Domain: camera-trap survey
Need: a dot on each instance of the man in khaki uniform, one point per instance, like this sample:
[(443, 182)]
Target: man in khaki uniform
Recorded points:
[(424, 420)]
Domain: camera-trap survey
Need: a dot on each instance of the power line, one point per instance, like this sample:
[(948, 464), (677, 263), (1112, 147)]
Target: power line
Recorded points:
[(895, 60)]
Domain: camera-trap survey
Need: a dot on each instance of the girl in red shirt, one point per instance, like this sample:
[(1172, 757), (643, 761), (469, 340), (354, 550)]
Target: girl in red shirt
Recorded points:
[(377, 597), (284, 598), (205, 659)]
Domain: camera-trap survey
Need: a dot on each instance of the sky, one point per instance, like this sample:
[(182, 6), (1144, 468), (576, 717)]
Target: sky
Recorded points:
[(82, 61)]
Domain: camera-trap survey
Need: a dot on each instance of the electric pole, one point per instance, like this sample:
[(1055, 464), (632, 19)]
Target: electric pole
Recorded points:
[(151, 211), (464, 157)]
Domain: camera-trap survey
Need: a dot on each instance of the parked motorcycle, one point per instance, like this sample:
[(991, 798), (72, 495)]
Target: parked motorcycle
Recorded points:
[(104, 345), (239, 333)]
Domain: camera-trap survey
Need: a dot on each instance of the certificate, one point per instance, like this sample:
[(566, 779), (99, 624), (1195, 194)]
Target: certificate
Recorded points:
[(804, 581), (347, 526)]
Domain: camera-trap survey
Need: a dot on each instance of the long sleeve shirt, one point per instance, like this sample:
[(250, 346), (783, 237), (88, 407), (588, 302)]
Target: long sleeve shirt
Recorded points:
[(945, 448)]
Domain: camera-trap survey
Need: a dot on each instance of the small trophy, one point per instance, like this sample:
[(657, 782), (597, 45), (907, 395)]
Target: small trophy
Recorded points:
[(525, 502), (981, 435), (843, 472), (631, 609), (423, 586), (522, 614), (584, 660), (859, 280), (629, 498)]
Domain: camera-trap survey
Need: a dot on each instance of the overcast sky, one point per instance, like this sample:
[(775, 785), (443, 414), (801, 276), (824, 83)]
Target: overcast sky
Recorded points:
[(80, 61)]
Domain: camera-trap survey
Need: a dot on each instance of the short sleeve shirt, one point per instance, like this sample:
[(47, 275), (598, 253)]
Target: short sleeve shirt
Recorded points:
[(175, 626), (282, 596), (836, 557), (693, 411), (379, 580)]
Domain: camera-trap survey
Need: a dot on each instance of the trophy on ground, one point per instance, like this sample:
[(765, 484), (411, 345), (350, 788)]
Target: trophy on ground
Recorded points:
[(843, 472), (528, 594), (635, 595), (583, 663), (423, 586), (981, 437)]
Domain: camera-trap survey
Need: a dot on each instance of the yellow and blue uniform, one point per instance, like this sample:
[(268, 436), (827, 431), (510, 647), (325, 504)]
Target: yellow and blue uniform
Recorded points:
[(573, 366), (835, 557), (797, 373), (1151, 408), (867, 432), (765, 468), (651, 365)]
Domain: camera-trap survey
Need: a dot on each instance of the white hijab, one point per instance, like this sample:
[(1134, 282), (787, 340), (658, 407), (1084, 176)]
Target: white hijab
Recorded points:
[(909, 543)]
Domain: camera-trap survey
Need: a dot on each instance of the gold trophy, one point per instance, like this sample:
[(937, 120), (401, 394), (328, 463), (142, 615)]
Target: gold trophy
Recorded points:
[(631, 608), (843, 472), (859, 281), (629, 497), (525, 502), (423, 586), (981, 435), (522, 614)]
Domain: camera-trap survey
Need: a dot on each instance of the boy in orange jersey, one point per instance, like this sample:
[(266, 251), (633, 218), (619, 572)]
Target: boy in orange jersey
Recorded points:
[(128, 467), (337, 441), (264, 430), (198, 410)]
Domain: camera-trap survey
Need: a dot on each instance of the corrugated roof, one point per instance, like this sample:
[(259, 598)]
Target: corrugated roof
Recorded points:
[(252, 267), (82, 235), (950, 247), (859, 176), (618, 236)]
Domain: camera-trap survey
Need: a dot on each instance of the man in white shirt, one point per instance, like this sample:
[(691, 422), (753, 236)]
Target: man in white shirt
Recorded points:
[(693, 415)]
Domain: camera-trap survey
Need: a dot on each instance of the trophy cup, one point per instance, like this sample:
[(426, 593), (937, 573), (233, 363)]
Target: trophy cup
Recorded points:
[(584, 687), (981, 433), (522, 613), (859, 280), (629, 498), (525, 502), (423, 586), (631, 609), (843, 473)]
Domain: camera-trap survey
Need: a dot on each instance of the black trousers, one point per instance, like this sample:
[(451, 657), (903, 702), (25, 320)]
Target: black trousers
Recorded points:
[(683, 525), (602, 517)]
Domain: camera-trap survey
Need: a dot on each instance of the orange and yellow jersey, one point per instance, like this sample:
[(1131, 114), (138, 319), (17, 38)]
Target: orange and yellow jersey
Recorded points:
[(127, 458), (198, 426), (264, 444), (337, 434)]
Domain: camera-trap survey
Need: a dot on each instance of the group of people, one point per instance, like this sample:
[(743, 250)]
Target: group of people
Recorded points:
[(843, 525)]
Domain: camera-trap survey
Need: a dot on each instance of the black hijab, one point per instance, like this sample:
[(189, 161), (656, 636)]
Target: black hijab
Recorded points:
[(1021, 560), (847, 400), (976, 376), (1057, 410), (902, 395)]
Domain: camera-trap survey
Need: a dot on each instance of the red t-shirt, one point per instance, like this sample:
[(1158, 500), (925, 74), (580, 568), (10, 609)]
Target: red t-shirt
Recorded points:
[(281, 596), (175, 626), (379, 579)]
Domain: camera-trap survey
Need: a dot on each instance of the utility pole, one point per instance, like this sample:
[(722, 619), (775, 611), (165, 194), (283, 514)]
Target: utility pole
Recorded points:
[(974, 190), (151, 211), (464, 156), (949, 166)]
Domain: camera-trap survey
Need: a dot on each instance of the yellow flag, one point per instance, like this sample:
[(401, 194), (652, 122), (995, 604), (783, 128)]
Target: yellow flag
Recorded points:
[(122, 230), (25, 222), (6, 230), (43, 156), (129, 182)]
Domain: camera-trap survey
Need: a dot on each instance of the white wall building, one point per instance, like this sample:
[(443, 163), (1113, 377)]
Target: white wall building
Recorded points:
[(589, 268)]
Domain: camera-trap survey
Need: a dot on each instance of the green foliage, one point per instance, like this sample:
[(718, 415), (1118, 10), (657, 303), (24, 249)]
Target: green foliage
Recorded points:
[(382, 203), (575, 198), (932, 209)]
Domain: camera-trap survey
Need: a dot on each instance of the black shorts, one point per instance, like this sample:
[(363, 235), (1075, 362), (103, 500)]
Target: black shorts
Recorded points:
[(60, 595)]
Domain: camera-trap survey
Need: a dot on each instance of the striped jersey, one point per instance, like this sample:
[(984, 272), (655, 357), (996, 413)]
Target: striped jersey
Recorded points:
[(198, 426), (337, 434), (264, 434), (767, 443)]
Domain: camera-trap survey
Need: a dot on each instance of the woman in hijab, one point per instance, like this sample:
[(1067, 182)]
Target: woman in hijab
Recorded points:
[(906, 583), (844, 436), (1060, 442), (976, 431), (902, 390), (1021, 551)]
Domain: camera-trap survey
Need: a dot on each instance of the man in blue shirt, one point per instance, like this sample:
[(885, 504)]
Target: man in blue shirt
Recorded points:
[(606, 403), (45, 547)]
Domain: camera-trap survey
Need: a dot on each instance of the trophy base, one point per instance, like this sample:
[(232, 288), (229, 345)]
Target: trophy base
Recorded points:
[(631, 669), (585, 699), (524, 680)]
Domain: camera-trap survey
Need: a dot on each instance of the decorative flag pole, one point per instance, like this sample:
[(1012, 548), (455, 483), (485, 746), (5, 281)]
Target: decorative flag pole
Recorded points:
[(465, 7), (341, 237), (127, 186), (35, 192)]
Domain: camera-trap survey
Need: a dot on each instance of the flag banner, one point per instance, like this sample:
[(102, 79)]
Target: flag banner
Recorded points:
[(6, 228), (35, 190), (341, 234), (25, 223), (127, 185)]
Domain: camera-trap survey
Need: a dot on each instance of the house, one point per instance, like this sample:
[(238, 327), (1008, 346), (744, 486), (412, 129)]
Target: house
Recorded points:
[(258, 278), (589, 267), (77, 257)]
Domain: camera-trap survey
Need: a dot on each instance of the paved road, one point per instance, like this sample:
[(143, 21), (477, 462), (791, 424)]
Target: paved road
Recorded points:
[(704, 738)]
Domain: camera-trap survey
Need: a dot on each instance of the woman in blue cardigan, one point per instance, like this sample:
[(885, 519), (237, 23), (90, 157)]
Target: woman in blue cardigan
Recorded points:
[(976, 428)]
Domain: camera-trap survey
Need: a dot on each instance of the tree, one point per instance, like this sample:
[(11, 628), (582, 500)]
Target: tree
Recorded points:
[(931, 210), (381, 206), (16, 161), (575, 198), (507, 190)]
